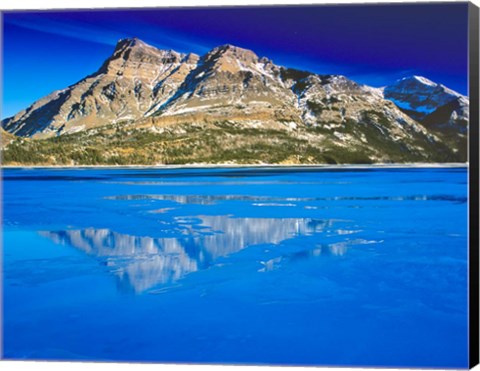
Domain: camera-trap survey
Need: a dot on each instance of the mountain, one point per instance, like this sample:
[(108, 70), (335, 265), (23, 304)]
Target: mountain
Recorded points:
[(6, 138), (441, 110), (126, 86), (452, 116), (146, 105), (450, 122), (420, 96)]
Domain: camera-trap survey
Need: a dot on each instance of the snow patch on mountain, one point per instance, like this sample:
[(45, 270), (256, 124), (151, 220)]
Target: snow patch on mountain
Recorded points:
[(419, 95)]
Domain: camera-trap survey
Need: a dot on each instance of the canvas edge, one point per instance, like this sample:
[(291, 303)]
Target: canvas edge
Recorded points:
[(474, 262), (473, 150)]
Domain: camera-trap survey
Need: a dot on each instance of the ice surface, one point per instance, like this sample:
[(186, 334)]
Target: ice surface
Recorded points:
[(364, 266)]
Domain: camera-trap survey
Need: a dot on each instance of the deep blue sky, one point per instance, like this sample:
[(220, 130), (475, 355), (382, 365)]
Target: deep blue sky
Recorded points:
[(375, 45)]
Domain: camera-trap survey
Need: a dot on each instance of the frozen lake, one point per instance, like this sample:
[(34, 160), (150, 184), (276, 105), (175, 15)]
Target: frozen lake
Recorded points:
[(261, 265)]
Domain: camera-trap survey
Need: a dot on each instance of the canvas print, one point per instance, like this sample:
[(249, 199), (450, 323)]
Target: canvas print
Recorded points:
[(280, 185)]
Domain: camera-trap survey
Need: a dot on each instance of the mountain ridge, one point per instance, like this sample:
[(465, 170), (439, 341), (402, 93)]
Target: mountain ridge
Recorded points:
[(156, 90)]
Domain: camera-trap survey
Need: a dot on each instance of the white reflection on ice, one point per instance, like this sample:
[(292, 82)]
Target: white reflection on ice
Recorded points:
[(333, 249), (212, 199), (205, 199), (142, 262)]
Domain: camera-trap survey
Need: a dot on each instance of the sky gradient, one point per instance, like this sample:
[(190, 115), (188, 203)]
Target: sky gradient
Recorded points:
[(374, 45)]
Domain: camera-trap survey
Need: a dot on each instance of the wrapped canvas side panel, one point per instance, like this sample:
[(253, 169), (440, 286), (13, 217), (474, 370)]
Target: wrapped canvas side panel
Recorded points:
[(474, 182)]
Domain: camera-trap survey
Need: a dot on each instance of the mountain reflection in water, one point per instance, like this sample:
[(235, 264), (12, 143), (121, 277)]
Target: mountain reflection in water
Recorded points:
[(141, 262), (212, 199)]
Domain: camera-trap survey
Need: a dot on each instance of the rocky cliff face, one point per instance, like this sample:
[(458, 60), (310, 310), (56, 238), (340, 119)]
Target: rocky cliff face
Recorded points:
[(158, 89), (233, 83), (419, 96), (441, 110), (130, 83)]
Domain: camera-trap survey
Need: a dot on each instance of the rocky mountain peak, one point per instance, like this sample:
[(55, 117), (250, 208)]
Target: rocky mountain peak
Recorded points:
[(191, 58), (236, 52), (230, 58), (128, 42), (133, 53), (419, 80), (419, 95), (145, 87), (420, 83)]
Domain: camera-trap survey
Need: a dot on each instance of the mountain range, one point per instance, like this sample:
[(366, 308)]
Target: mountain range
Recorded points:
[(150, 106)]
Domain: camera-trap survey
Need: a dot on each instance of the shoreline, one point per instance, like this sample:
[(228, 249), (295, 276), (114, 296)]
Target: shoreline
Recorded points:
[(413, 165)]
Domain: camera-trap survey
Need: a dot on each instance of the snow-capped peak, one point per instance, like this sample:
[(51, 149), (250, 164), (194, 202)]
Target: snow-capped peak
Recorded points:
[(419, 95), (424, 80)]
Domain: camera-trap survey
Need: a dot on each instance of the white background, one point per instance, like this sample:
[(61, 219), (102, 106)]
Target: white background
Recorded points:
[(77, 4)]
